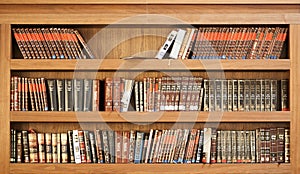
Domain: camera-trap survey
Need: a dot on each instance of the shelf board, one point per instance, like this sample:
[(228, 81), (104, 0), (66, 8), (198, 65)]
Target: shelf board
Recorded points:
[(149, 64), (150, 168), (55, 116), (149, 2)]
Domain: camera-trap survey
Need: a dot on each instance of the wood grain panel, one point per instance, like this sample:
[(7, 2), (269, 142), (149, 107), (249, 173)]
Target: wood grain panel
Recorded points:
[(250, 117), (150, 14), (149, 2), (5, 97), (150, 168), (294, 99)]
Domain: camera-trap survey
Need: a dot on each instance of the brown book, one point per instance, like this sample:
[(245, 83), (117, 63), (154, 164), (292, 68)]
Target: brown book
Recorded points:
[(108, 94), (82, 146), (67, 43), (126, 155), (273, 148), (116, 94), (118, 146), (32, 42), (84, 44), (213, 151), (95, 97), (56, 41), (38, 42), (280, 145)]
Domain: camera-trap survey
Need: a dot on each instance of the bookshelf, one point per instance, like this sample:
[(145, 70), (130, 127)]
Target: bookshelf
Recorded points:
[(115, 17)]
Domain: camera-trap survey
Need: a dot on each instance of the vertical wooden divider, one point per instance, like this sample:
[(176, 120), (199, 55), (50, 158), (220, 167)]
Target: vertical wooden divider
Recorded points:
[(294, 97), (5, 44)]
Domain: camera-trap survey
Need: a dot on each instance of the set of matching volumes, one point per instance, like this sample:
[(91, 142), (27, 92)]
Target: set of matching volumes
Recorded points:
[(51, 43), (38, 94), (263, 145), (197, 94), (224, 43)]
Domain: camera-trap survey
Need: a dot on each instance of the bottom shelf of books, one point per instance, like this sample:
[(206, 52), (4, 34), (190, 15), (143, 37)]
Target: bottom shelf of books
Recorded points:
[(157, 150)]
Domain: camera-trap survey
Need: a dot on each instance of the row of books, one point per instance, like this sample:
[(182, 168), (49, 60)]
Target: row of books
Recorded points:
[(51, 43), (38, 94), (224, 43), (148, 95), (198, 94), (263, 145)]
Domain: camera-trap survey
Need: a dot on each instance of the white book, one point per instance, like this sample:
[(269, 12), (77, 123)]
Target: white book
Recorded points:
[(177, 44), (207, 145), (165, 47), (76, 147)]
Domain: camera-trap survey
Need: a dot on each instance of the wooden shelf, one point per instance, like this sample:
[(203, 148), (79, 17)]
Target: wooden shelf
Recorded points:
[(252, 117), (149, 2), (149, 64), (149, 168)]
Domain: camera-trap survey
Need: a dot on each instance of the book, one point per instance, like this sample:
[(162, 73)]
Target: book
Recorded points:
[(33, 147), (177, 43), (64, 148), (78, 94), (207, 145), (165, 47), (52, 94), (76, 146)]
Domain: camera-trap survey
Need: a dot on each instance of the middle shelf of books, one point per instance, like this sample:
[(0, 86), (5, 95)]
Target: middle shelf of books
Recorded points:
[(106, 94)]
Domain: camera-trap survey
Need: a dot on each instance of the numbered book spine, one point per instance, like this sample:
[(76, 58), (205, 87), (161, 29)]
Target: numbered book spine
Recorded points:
[(33, 147), (64, 148), (76, 147), (48, 142)]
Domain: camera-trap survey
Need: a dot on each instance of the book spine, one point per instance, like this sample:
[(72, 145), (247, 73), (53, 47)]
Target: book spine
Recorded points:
[(286, 145), (118, 147), (71, 147), (41, 147), (99, 146), (273, 147), (21, 44), (78, 94), (58, 147), (69, 95), (165, 47), (95, 95), (111, 143), (19, 148), (88, 148), (87, 95), (130, 139), (207, 145), (33, 147), (82, 146), (13, 145), (60, 94), (76, 146), (108, 94), (54, 148), (64, 147), (138, 147), (52, 94), (84, 44), (284, 95), (48, 142), (280, 145)]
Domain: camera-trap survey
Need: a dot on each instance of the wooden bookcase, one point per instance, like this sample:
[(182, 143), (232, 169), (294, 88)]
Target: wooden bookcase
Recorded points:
[(132, 21)]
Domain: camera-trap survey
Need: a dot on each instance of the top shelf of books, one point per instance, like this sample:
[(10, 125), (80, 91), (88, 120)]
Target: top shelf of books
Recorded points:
[(150, 2)]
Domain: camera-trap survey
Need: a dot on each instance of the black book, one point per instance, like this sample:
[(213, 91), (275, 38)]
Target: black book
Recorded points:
[(60, 94), (78, 95), (13, 145), (87, 103), (52, 94), (69, 97)]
